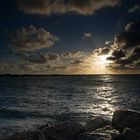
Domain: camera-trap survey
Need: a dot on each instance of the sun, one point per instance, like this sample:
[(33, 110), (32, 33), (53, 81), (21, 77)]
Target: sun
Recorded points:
[(102, 60), (97, 64)]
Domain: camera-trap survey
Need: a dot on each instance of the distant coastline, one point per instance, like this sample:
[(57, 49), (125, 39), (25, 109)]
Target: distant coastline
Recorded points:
[(37, 75)]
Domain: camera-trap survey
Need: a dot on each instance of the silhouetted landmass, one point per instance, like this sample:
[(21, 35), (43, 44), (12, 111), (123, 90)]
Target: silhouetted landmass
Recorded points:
[(36, 75)]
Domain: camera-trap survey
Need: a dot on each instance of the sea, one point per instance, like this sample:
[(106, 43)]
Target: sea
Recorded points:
[(28, 102)]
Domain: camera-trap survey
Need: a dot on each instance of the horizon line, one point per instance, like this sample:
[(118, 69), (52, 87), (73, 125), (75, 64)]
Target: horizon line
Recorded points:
[(22, 75)]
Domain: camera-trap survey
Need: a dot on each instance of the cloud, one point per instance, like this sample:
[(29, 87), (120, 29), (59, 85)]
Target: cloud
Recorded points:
[(51, 56), (4, 67), (107, 42), (49, 7), (45, 58), (31, 39), (76, 62), (132, 26), (45, 63), (117, 54), (27, 43), (52, 62), (130, 36), (125, 52), (10, 67), (37, 59), (101, 51), (135, 8), (34, 66), (72, 55), (87, 35)]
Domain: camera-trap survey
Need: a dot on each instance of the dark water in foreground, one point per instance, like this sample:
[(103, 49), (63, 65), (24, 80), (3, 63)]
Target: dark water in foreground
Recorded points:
[(27, 102)]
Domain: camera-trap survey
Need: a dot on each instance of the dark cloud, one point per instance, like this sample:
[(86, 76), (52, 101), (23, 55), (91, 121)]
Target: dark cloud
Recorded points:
[(125, 53), (131, 60), (36, 59), (137, 51), (138, 64), (135, 8), (49, 7), (117, 54), (132, 26), (43, 58), (130, 36), (102, 51), (31, 39), (135, 55)]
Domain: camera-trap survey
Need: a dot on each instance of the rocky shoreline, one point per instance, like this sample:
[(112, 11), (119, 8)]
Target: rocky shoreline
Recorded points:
[(125, 125)]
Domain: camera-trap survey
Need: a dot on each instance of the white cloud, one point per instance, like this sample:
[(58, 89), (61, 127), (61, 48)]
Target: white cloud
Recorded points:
[(88, 35), (107, 42)]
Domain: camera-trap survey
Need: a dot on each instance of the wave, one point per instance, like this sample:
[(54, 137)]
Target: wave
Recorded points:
[(12, 113)]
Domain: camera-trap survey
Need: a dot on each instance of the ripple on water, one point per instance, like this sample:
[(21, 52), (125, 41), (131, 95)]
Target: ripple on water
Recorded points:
[(31, 101)]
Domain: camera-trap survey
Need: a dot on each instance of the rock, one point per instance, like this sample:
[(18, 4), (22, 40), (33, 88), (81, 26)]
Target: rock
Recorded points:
[(49, 124), (122, 119), (115, 134), (94, 136), (63, 131), (97, 122), (41, 136), (105, 133), (130, 134), (37, 135)]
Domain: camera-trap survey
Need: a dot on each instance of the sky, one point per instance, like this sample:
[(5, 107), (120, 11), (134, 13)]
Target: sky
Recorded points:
[(70, 37)]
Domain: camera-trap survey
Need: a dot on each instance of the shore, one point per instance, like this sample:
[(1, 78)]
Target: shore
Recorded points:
[(125, 125)]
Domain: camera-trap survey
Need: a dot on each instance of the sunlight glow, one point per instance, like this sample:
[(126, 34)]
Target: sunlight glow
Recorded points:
[(102, 60), (97, 64)]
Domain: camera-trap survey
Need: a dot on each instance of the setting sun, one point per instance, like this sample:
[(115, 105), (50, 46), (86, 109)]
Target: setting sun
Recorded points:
[(98, 64), (102, 60)]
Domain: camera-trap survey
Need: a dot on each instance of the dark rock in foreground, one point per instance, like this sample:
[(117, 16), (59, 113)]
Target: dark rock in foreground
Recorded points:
[(125, 126), (97, 122), (105, 133), (122, 119), (130, 134), (26, 136), (94, 136), (63, 131), (109, 130)]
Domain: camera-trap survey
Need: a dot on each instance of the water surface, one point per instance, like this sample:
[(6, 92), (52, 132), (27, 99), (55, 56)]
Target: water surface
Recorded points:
[(28, 102)]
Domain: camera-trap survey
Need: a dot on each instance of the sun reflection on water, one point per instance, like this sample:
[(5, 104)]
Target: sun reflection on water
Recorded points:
[(102, 101), (105, 95)]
